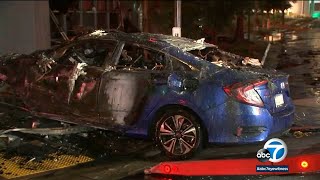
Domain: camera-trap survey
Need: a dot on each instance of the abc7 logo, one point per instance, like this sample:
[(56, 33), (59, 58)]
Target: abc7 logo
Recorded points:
[(274, 150), (263, 155)]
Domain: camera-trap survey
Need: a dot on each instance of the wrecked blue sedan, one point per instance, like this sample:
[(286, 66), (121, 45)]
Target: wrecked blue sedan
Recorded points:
[(181, 92)]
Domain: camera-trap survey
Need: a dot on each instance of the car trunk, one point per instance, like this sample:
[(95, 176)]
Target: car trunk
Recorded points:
[(275, 94), (271, 86)]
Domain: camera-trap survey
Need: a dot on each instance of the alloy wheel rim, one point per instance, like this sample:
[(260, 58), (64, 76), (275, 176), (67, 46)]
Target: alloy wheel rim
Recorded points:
[(178, 135)]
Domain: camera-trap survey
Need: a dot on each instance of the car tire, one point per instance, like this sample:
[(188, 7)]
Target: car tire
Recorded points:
[(181, 140)]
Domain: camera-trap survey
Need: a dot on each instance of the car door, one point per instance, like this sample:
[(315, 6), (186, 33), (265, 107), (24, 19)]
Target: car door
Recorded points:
[(83, 100), (70, 88), (125, 90)]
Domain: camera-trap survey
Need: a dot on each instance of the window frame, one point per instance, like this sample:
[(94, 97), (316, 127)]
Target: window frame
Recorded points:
[(68, 47), (169, 59)]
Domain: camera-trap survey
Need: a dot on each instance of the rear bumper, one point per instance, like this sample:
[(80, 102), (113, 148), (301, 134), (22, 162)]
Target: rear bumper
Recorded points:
[(246, 124)]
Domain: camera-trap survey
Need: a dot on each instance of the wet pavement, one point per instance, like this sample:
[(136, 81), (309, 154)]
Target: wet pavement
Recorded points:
[(119, 157), (123, 164), (302, 63)]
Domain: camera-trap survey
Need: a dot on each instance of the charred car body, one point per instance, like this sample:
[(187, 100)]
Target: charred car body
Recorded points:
[(179, 91)]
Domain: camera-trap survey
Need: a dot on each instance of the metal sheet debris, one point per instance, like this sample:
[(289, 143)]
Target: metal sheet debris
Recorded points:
[(48, 131)]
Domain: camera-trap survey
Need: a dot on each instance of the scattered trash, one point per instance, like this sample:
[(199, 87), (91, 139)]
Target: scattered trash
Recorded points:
[(300, 116), (299, 134), (251, 61), (98, 33), (200, 41), (31, 160)]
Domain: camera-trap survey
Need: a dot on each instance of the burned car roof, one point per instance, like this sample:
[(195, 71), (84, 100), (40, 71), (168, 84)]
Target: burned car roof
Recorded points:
[(152, 40)]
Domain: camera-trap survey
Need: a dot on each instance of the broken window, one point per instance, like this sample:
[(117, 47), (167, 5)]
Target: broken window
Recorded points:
[(134, 56), (210, 54), (93, 53), (223, 58), (178, 65)]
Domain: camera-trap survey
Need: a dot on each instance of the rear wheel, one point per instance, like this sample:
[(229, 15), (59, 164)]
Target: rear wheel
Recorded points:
[(178, 134)]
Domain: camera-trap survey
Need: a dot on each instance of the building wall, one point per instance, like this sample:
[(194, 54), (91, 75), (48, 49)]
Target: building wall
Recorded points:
[(306, 8), (24, 26), (300, 8), (296, 8)]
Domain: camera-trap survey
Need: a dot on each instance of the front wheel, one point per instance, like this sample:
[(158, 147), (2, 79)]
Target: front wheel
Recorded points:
[(178, 134)]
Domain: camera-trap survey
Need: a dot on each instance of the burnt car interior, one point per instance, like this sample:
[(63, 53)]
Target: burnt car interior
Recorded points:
[(135, 56), (215, 55), (93, 53)]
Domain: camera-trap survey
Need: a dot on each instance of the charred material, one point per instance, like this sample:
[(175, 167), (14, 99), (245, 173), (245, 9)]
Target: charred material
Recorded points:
[(127, 82), (48, 131), (226, 59)]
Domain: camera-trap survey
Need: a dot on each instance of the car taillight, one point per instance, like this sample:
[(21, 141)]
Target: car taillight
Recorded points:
[(245, 92)]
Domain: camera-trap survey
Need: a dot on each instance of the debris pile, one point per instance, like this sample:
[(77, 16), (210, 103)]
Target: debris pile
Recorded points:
[(45, 63), (225, 59), (299, 134), (251, 61), (91, 143)]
